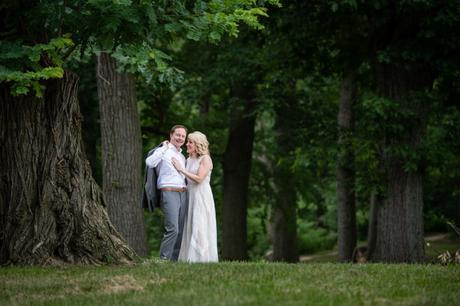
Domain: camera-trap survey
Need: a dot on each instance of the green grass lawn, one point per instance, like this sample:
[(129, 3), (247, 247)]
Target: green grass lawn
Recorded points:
[(164, 283)]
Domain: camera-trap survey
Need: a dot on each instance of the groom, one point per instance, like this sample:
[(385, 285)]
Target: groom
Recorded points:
[(172, 187)]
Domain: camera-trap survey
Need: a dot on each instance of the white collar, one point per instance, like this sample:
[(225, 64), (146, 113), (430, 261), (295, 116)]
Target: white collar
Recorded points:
[(170, 145)]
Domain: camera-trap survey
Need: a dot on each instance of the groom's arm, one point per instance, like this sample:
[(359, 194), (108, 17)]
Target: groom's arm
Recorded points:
[(153, 160)]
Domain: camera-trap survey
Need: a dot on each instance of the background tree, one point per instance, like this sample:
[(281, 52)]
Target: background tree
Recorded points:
[(121, 148), (346, 207)]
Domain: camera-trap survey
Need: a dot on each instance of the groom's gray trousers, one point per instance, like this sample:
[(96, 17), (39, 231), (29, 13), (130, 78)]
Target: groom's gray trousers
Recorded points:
[(174, 207)]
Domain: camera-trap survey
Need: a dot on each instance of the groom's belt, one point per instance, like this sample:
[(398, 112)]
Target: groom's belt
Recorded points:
[(183, 189)]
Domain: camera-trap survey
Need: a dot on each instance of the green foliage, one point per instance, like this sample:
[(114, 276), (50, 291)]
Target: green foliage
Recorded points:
[(435, 222), (258, 241), (21, 65), (143, 35), (149, 49), (396, 120), (153, 65), (312, 238)]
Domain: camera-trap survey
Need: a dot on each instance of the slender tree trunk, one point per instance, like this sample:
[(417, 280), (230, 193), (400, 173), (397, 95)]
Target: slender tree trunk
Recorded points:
[(284, 212), (400, 218), (285, 216), (375, 202), (121, 152), (346, 207), (457, 219), (285, 225), (51, 208), (237, 168)]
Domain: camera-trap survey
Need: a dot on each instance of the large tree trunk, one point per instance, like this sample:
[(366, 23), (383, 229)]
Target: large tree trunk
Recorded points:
[(400, 218), (237, 168), (51, 208), (346, 207), (121, 152)]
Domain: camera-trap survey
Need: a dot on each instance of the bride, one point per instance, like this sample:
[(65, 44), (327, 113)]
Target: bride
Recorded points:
[(199, 239)]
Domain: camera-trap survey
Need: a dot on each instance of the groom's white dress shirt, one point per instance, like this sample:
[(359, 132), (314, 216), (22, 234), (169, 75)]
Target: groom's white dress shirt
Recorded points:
[(168, 175)]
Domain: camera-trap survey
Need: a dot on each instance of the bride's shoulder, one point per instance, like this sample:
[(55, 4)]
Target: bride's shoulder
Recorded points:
[(206, 159)]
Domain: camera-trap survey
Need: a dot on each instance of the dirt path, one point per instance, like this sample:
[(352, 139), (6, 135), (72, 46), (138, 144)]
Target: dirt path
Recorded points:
[(436, 237)]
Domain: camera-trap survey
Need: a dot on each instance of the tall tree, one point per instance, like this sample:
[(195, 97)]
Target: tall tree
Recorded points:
[(121, 149), (346, 207), (407, 64), (52, 210), (402, 53), (400, 219), (284, 209), (237, 166)]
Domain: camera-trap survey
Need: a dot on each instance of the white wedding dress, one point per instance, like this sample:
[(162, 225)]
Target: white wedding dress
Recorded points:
[(199, 239)]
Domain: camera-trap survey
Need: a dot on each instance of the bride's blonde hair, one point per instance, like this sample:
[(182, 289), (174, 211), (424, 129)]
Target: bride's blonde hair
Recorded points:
[(201, 142)]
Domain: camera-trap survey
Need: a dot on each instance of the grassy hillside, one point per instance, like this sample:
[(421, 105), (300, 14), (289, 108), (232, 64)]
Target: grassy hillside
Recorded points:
[(163, 283)]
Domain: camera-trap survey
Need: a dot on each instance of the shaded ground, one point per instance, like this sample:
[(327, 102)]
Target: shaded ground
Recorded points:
[(436, 243)]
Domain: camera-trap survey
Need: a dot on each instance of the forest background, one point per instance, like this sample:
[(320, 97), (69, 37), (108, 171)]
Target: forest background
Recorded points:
[(330, 123)]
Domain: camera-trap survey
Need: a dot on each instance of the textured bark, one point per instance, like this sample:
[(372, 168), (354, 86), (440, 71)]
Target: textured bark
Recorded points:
[(400, 218), (345, 173), (121, 152), (237, 167), (51, 208)]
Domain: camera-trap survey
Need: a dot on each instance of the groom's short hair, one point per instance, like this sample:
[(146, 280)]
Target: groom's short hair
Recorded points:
[(177, 126)]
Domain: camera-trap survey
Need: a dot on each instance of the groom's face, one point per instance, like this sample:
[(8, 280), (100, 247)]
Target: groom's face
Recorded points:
[(177, 138)]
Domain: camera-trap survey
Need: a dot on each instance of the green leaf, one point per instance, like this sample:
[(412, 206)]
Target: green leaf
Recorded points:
[(214, 36), (20, 90), (152, 16)]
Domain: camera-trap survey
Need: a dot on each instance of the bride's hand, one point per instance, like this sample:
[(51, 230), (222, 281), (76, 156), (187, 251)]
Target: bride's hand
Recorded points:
[(177, 164)]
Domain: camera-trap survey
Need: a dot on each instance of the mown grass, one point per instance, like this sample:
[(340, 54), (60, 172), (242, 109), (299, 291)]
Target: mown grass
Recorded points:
[(164, 283)]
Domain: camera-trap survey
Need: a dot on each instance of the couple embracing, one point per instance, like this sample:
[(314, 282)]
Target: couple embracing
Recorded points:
[(186, 197)]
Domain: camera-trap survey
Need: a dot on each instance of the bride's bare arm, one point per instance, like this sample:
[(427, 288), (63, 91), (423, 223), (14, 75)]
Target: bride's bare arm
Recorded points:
[(203, 169)]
